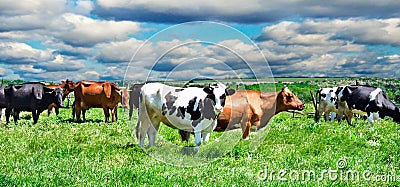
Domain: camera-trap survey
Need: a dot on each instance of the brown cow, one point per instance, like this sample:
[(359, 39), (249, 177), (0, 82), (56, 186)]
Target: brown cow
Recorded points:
[(125, 99), (252, 108), (91, 94)]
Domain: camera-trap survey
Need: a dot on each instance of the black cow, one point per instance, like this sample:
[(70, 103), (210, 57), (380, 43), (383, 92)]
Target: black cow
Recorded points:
[(134, 93), (2, 102), (371, 100), (33, 96)]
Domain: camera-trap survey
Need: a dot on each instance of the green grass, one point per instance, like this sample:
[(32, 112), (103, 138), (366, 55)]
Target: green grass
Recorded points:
[(60, 152)]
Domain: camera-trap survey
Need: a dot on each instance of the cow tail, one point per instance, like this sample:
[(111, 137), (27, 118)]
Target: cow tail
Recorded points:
[(107, 90)]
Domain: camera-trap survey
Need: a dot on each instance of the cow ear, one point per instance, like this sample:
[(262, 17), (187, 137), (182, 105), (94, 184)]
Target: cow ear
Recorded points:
[(230, 92), (208, 90), (283, 88)]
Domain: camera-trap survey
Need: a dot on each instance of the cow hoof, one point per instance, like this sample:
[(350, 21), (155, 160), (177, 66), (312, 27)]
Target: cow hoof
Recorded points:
[(245, 139)]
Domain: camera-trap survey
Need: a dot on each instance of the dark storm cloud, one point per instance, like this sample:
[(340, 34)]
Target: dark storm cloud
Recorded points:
[(242, 11)]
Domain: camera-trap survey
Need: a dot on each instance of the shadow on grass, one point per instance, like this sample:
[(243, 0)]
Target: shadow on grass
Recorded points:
[(70, 120), (188, 150)]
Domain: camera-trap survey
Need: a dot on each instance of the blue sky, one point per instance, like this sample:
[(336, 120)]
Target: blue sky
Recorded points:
[(53, 40)]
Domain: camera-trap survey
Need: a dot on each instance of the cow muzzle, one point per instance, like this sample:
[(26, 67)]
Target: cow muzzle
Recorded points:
[(218, 109), (301, 106)]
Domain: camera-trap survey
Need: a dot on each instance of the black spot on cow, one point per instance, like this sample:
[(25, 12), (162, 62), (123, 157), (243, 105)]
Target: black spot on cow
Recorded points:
[(178, 89), (333, 99), (170, 100), (194, 112), (172, 110), (164, 109), (208, 109), (181, 112)]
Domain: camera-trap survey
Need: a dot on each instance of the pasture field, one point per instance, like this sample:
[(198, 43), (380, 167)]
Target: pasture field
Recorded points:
[(60, 152)]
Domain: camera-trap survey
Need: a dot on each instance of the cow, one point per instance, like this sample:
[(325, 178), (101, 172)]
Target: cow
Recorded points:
[(371, 100), (32, 96), (125, 99), (3, 104), (63, 86), (134, 92), (253, 108), (327, 103), (92, 94), (190, 109)]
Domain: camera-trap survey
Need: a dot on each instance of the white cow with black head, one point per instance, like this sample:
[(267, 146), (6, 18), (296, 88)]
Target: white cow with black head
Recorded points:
[(190, 109)]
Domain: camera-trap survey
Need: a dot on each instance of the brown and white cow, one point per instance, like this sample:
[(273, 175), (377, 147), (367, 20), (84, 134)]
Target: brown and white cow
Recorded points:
[(92, 94), (252, 108)]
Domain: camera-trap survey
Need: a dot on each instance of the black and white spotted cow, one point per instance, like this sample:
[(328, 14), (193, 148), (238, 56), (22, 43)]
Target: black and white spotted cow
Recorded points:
[(371, 100), (190, 109), (327, 103)]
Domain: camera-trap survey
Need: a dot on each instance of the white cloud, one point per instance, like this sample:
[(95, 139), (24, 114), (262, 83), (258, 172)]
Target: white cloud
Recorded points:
[(26, 69), (25, 7), (80, 30), (62, 63), (88, 75), (334, 32), (3, 72), (21, 53)]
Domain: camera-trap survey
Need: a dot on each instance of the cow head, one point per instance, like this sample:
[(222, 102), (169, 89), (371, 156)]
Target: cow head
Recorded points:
[(286, 100), (218, 93), (69, 86), (56, 96)]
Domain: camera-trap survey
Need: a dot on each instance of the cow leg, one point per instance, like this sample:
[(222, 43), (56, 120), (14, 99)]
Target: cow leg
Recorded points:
[(114, 113), (197, 139), (333, 116), (185, 135), (130, 113), (349, 116), (372, 117), (57, 110), (106, 114), (35, 116), (8, 113), (152, 132), (142, 127), (326, 117), (137, 129), (73, 110), (2, 114), (84, 114), (245, 129), (49, 109), (206, 137)]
